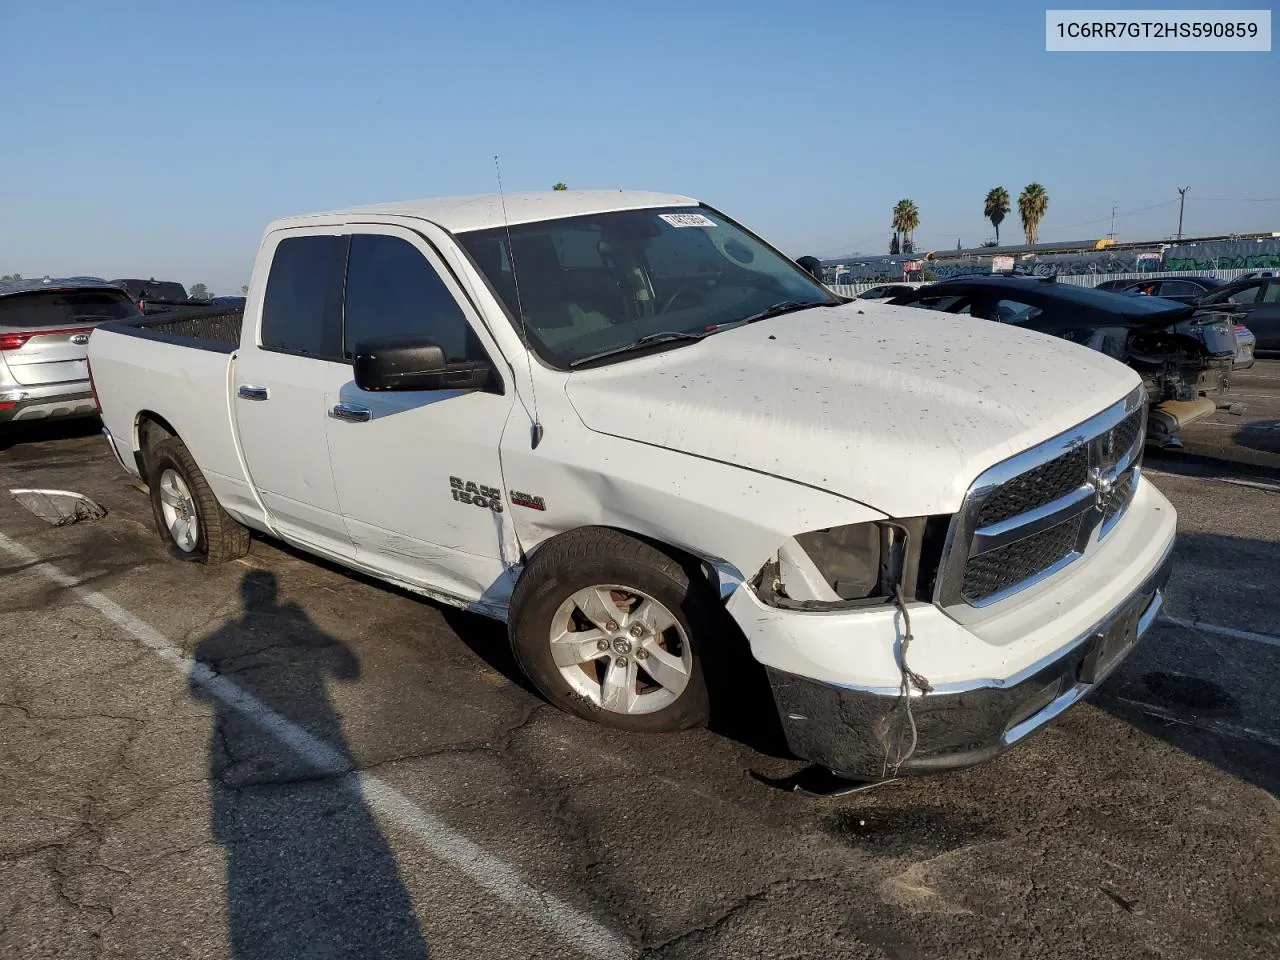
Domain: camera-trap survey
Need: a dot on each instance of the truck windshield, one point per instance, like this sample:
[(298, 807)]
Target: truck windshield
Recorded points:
[(592, 284)]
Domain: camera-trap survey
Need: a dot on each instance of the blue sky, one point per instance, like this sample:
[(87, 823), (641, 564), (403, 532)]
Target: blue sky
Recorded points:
[(157, 139)]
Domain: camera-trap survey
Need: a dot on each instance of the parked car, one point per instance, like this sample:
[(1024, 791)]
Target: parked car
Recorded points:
[(157, 296), (1187, 290), (672, 451), (1256, 301), (890, 290), (44, 336), (1183, 353)]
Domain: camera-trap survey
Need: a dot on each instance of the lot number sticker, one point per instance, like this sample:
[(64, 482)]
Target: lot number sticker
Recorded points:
[(687, 220)]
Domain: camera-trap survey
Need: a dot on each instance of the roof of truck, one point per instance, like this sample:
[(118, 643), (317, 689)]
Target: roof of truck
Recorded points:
[(460, 214)]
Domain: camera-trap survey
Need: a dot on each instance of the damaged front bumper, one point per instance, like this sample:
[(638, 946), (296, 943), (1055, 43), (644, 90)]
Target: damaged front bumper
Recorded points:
[(867, 734)]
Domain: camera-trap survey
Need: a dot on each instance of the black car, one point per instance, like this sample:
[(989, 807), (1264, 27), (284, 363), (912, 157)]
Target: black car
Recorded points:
[(1256, 303), (157, 296), (1187, 290), (1184, 353)]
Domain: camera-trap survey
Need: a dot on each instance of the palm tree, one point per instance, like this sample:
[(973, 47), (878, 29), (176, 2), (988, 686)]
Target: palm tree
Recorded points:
[(560, 186), (905, 220), (995, 208), (1033, 202)]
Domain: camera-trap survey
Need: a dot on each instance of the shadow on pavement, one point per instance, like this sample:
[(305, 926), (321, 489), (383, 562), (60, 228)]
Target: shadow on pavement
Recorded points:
[(47, 431), (1189, 464), (309, 874), (1208, 695), (1262, 435)]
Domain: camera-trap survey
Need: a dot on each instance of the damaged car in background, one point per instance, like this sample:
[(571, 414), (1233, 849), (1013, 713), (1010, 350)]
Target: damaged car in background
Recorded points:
[(1184, 353), (673, 452)]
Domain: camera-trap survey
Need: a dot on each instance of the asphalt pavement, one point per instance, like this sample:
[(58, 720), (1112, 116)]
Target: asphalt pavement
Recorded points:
[(279, 759)]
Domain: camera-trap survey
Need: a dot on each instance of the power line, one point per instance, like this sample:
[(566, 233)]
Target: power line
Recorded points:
[(1237, 199)]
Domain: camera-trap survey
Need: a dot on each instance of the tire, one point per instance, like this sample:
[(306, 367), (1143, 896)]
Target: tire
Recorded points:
[(577, 562), (217, 538)]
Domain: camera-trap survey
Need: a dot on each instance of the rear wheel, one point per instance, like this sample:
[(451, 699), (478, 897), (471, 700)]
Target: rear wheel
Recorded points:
[(615, 630), (188, 516)]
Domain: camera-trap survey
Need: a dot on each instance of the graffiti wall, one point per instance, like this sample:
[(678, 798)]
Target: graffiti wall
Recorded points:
[(1225, 255)]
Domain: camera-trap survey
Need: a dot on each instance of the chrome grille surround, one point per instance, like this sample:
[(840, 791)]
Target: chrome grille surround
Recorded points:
[(1030, 516)]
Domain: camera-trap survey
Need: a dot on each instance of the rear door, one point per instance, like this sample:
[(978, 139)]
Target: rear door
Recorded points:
[(44, 334), (282, 378), (418, 472)]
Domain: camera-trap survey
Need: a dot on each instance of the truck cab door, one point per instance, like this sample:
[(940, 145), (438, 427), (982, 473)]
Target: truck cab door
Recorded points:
[(287, 366), (417, 472)]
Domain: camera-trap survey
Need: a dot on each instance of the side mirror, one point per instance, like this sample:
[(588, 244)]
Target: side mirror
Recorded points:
[(413, 363), (813, 266)]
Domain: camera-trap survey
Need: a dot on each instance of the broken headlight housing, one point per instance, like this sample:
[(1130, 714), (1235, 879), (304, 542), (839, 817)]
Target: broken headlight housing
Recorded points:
[(855, 565)]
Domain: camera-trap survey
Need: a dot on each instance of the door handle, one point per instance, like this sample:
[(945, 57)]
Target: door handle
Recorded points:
[(248, 392), (350, 413)]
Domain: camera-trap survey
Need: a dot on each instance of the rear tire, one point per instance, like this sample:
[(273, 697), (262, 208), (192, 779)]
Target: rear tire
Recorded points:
[(188, 516), (613, 629)]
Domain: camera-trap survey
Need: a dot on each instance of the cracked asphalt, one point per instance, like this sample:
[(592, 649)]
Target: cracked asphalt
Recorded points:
[(143, 816)]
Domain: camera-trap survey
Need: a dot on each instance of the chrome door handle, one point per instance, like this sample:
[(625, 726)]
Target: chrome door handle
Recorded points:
[(247, 392), (351, 413)]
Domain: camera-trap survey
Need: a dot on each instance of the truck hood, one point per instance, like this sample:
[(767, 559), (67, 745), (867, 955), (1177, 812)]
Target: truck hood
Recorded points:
[(895, 407)]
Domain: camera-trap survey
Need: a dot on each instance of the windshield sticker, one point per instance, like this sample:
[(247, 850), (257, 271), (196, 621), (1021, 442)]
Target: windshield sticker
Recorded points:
[(687, 219)]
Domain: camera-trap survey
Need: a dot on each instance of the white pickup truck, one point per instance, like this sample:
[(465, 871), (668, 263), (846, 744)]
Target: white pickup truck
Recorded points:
[(653, 445)]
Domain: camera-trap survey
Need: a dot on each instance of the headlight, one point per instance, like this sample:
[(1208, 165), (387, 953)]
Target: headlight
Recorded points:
[(861, 563)]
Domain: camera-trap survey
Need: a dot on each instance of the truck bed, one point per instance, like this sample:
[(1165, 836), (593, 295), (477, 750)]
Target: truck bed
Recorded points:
[(214, 328)]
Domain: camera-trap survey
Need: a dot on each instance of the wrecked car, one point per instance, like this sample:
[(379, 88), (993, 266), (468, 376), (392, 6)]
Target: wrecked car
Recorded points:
[(660, 449), (1185, 354)]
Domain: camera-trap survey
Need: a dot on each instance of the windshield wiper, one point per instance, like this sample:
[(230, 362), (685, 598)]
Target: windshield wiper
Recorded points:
[(785, 306), (640, 343)]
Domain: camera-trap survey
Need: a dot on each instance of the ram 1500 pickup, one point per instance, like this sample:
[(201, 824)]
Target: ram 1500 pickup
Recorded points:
[(654, 445)]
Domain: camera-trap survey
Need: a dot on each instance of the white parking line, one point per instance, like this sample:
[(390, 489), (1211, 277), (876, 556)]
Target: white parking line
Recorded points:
[(492, 873), (1222, 631), (1234, 481)]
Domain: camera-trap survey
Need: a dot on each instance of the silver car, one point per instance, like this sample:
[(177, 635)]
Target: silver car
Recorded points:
[(44, 344)]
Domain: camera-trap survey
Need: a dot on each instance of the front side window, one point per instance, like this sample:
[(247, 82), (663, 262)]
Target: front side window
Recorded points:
[(945, 304), (392, 290), (1013, 311), (1247, 294), (302, 307), (594, 283)]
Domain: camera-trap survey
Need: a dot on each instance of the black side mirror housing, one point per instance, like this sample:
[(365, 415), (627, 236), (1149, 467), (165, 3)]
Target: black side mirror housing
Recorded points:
[(413, 363), (813, 266)]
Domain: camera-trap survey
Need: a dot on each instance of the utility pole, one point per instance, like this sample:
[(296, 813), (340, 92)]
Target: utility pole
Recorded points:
[(1114, 203), (1182, 199)]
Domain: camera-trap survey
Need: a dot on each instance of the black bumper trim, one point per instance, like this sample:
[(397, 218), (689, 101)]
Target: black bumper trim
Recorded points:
[(856, 733)]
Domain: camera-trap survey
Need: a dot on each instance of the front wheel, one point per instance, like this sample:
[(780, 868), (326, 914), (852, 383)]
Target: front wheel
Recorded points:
[(611, 628), (187, 514)]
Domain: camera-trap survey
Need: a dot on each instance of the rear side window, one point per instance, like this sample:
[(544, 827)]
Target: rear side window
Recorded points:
[(302, 308), (392, 291), (1273, 293), (1178, 288), (64, 308)]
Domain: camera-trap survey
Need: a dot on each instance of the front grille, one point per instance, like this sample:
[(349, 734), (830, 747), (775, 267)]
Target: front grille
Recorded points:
[(1019, 540), (1114, 503), (1036, 487), (997, 570), (1126, 432)]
